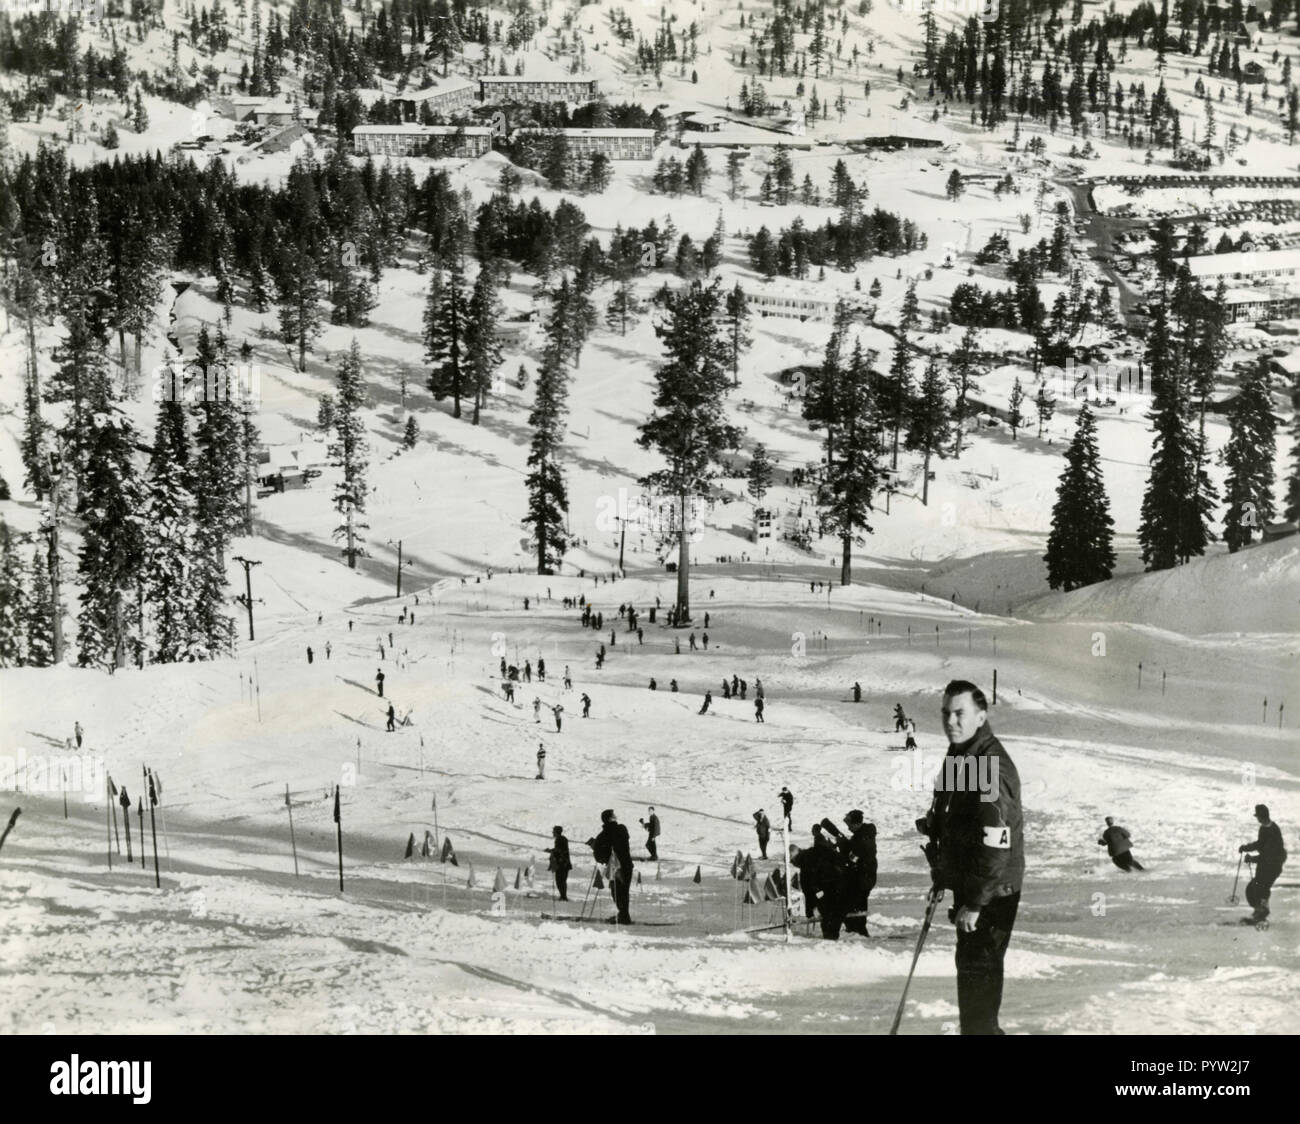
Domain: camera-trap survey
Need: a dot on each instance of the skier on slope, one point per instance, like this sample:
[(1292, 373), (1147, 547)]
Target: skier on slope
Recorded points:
[(560, 864), (1116, 840), (557, 710), (612, 846), (763, 828), (541, 762), (977, 850), (787, 803), (1271, 858), (537, 708), (586, 705), (652, 835), (392, 719), (708, 701)]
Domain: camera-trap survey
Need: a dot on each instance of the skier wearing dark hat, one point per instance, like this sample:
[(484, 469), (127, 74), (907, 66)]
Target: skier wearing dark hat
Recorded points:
[(560, 865), (612, 846), (1272, 856), (860, 851)]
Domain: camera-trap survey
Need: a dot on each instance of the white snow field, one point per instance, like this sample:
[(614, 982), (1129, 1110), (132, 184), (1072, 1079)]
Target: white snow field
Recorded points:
[(234, 941)]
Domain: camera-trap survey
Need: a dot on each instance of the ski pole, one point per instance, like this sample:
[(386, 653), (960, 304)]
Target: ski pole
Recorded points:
[(935, 897), (582, 913), (1232, 898)]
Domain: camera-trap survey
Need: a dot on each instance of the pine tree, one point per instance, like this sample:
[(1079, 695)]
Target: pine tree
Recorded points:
[(1248, 455), (482, 341), (962, 373), (1045, 405), (1080, 546), (110, 503), (1173, 525), (40, 614), (139, 115), (897, 391), (760, 473), (411, 434), (170, 545), (548, 498), (13, 602), (348, 453), (739, 337), (299, 293), (1015, 419), (928, 421), (689, 428), (445, 326), (822, 387), (853, 475)]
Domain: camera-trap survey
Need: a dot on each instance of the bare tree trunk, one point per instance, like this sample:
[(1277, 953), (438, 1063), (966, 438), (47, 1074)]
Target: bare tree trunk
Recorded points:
[(683, 569), (925, 478), (352, 552), (846, 560)]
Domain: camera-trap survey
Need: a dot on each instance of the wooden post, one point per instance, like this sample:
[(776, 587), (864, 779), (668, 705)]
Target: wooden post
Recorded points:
[(63, 784), (108, 813), (435, 819), (139, 807), (153, 827), (292, 841), (338, 819), (995, 686)]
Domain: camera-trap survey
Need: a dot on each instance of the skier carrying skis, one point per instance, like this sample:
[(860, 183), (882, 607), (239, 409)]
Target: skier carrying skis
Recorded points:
[(1271, 858), (1116, 841), (977, 850)]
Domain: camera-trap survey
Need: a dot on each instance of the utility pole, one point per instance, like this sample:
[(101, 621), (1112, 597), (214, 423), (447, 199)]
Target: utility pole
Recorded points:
[(622, 538), (247, 599), (399, 565)]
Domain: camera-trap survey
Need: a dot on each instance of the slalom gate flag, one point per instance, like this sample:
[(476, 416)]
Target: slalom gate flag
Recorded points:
[(157, 780), (112, 788), (519, 879), (638, 878), (697, 878), (425, 850), (410, 846), (337, 818), (599, 882), (499, 882), (471, 883)]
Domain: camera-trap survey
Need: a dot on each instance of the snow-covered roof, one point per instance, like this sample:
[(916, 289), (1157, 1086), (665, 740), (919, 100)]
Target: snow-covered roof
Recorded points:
[(1254, 263), (450, 86), (422, 130), (593, 132)]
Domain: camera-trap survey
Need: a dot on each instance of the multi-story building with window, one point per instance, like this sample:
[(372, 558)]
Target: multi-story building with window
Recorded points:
[(502, 88), (617, 144), (444, 98), (421, 140)]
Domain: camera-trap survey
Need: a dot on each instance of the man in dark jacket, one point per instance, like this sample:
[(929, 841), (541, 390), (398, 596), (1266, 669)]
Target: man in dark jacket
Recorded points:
[(612, 846), (1117, 842), (859, 849), (977, 851), (651, 835), (787, 803), (1272, 856), (560, 865), (821, 885), (763, 826)]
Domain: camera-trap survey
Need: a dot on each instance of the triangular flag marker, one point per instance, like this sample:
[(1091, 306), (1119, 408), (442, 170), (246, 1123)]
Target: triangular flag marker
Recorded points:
[(499, 882), (697, 878), (410, 847)]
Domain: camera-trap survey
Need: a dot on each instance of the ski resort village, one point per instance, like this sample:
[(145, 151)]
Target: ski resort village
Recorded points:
[(637, 517)]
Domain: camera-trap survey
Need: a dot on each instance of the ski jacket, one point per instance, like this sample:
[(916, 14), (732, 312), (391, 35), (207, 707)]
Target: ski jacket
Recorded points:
[(652, 827), (613, 841), (981, 849), (1116, 840), (560, 855), (763, 826), (1269, 845)]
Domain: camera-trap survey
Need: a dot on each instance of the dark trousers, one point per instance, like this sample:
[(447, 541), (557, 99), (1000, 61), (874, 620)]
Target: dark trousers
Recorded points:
[(562, 884), (1126, 861), (621, 887), (1260, 887), (762, 846), (652, 848), (979, 965)]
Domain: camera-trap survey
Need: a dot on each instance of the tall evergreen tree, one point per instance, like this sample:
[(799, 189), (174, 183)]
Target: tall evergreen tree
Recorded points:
[(299, 292), (760, 473), (689, 428), (1248, 455), (962, 373), (739, 337), (13, 602), (170, 544), (928, 421), (1173, 526), (548, 497), (1080, 546), (482, 340), (446, 322), (853, 475), (110, 503), (348, 453), (40, 614)]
